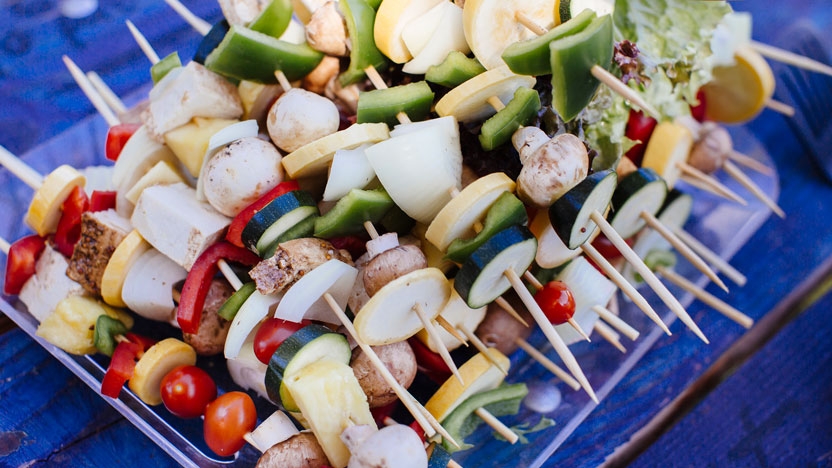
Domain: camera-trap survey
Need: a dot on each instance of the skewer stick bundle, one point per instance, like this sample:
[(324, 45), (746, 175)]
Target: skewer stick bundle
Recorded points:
[(547, 363), (91, 93), (610, 335), (708, 298), (718, 263), (616, 322)]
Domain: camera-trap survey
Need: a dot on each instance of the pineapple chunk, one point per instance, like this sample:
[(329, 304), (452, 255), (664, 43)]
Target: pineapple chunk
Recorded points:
[(160, 174), (331, 400), (190, 141), (72, 325)]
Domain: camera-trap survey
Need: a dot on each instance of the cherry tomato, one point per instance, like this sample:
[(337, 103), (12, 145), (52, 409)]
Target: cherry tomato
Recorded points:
[(227, 420), (271, 334), (639, 127), (556, 301), (187, 390), (698, 111)]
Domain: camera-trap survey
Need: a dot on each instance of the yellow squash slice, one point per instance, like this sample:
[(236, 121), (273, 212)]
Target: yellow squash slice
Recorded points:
[(314, 158), (468, 102), (155, 364), (45, 209), (479, 375), (669, 145), (127, 252), (456, 220)]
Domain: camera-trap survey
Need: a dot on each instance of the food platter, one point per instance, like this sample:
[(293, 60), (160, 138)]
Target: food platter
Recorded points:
[(723, 226)]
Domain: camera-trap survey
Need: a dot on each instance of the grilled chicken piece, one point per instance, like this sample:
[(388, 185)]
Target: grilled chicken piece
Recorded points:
[(195, 91), (49, 285), (101, 233), (292, 260), (212, 328)]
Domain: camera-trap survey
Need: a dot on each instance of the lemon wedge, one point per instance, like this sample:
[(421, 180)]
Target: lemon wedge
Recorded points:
[(739, 92)]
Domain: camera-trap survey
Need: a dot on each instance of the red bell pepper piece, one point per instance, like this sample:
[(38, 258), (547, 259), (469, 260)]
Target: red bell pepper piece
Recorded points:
[(117, 137), (198, 281), (121, 368), (698, 111), (235, 230), (69, 226), (144, 341), (429, 362), (355, 245), (20, 262), (102, 200), (639, 127)]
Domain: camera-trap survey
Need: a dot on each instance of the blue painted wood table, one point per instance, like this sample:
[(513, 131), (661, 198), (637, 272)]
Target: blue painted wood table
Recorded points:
[(760, 398)]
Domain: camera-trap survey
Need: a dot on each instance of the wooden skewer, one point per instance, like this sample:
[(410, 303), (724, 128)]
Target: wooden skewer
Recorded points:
[(538, 285), (750, 163), (616, 322), (437, 341), (496, 103), (732, 273), (282, 80), (497, 425), (616, 277), (475, 340), (371, 229), (229, 274), (202, 26), (710, 183), (549, 330), (682, 248), (547, 363), (449, 327), (529, 22), (5, 246), (20, 169), (732, 170), (500, 301), (651, 279), (791, 58), (608, 334), (144, 45), (89, 90), (708, 298), (422, 416), (780, 107), (106, 93)]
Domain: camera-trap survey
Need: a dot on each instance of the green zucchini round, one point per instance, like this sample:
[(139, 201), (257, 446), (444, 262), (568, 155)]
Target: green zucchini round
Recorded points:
[(481, 279), (309, 344), (280, 215), (642, 190), (569, 214)]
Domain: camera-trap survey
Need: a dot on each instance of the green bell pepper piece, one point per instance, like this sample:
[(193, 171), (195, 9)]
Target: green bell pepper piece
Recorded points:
[(520, 111), (532, 57), (250, 55), (573, 58), (457, 68), (506, 211), (396, 220), (164, 66), (462, 421), (360, 17), (382, 105), (104, 335), (350, 213), (274, 19), (232, 305)]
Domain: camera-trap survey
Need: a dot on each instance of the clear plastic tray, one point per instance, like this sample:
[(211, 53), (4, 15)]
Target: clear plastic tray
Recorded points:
[(723, 226)]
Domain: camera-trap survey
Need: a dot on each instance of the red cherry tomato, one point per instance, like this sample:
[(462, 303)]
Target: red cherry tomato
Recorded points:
[(556, 301), (227, 420), (187, 390), (271, 334), (698, 111), (639, 127)]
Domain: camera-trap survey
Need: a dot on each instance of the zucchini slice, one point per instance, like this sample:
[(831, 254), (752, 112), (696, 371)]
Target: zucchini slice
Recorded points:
[(507, 211), (570, 213), (642, 190), (280, 215), (501, 401), (310, 344), (304, 300), (481, 278), (389, 317)]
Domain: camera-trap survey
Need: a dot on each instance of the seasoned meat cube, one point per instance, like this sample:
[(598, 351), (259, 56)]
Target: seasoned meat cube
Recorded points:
[(292, 260), (101, 233)]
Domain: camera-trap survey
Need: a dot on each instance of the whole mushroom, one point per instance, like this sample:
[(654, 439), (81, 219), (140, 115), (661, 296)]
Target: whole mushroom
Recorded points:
[(391, 264), (712, 149), (299, 117), (398, 358), (551, 169), (241, 173)]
